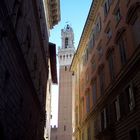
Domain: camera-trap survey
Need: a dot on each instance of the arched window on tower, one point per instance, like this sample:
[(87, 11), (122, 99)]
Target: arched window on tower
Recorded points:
[(66, 42)]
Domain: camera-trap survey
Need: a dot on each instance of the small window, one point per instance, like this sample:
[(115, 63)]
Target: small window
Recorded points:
[(106, 9), (107, 5), (65, 68), (111, 65), (130, 94), (103, 119), (87, 103), (93, 65), (121, 44), (109, 33), (127, 100), (64, 127), (100, 52), (98, 25), (117, 108), (117, 15), (66, 42)]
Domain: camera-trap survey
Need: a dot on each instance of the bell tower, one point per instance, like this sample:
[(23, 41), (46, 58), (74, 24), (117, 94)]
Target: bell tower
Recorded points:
[(65, 56), (66, 52)]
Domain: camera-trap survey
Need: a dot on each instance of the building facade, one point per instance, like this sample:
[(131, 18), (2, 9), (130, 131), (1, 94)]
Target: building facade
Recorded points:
[(106, 70), (65, 55), (24, 53)]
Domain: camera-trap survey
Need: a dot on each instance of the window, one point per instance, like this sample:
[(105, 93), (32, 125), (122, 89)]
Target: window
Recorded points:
[(117, 108), (103, 119), (87, 103), (107, 6), (101, 79), (127, 100), (65, 68), (121, 45), (66, 42), (106, 9), (98, 25), (100, 52), (117, 15), (109, 33), (111, 65), (64, 127), (93, 65), (94, 94), (130, 94)]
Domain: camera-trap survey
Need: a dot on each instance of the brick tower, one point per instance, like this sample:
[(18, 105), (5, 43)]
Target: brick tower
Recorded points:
[(65, 55)]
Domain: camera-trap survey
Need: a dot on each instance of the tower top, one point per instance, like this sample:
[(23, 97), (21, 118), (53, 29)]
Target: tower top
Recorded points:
[(67, 28), (67, 50)]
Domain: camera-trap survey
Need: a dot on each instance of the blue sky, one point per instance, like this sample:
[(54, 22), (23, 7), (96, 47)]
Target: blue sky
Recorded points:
[(75, 13)]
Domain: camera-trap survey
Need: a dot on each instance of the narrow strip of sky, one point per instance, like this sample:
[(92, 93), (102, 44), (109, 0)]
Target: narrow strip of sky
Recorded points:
[(74, 13)]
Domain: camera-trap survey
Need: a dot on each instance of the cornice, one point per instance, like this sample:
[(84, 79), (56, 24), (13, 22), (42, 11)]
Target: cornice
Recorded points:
[(86, 31), (53, 7)]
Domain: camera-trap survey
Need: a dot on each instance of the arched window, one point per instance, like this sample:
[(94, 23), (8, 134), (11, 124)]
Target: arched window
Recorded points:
[(66, 42)]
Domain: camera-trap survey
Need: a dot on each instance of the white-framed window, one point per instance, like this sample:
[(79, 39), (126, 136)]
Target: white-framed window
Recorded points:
[(131, 97)]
